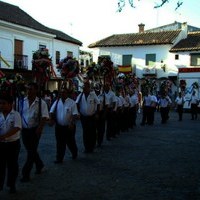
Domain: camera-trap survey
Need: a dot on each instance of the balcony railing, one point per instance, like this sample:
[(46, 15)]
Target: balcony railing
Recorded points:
[(20, 62)]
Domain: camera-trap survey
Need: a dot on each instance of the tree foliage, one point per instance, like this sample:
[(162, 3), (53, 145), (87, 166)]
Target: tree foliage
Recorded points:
[(122, 3)]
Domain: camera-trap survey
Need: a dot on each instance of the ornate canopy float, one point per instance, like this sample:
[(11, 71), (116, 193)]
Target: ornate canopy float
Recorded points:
[(69, 69), (42, 67)]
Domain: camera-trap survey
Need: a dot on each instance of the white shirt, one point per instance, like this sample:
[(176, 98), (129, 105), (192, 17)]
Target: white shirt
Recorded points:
[(87, 106), (110, 98), (134, 100), (180, 100), (147, 100), (12, 120), (165, 101), (119, 102), (101, 100), (30, 114), (126, 101), (64, 111)]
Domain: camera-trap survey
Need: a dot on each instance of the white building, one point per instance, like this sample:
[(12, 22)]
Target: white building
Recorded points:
[(154, 53), (21, 35)]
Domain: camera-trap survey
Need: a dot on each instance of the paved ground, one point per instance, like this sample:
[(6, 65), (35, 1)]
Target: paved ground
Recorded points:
[(159, 162)]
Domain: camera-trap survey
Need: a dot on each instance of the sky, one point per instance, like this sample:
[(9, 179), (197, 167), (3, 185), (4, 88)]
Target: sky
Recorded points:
[(91, 20)]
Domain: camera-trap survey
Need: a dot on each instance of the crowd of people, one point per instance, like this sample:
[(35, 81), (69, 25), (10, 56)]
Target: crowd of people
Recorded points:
[(103, 114)]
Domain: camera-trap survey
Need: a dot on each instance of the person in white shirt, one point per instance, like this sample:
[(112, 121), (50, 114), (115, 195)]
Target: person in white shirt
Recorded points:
[(101, 119), (110, 110), (146, 109), (34, 113), (88, 105), (154, 102), (120, 101), (10, 127), (164, 104), (117, 114), (179, 101), (126, 96), (64, 113), (134, 105), (194, 101)]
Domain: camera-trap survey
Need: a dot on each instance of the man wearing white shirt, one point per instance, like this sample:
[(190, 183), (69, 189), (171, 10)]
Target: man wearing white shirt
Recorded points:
[(134, 105), (180, 100), (194, 101), (101, 119), (111, 111), (88, 106), (164, 103), (34, 113), (64, 113)]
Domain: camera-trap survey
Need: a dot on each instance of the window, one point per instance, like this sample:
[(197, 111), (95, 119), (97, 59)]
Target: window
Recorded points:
[(87, 62), (126, 60), (82, 62), (57, 57), (195, 59), (150, 59), (176, 57), (41, 46)]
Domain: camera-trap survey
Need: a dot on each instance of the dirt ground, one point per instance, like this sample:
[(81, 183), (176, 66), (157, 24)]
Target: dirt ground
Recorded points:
[(159, 162)]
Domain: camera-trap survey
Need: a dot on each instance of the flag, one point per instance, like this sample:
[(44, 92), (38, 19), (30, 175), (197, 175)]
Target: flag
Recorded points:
[(126, 69)]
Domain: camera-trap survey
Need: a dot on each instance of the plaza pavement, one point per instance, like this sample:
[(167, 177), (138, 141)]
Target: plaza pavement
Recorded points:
[(159, 162)]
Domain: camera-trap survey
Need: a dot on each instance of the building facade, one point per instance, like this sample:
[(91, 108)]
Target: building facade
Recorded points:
[(21, 36)]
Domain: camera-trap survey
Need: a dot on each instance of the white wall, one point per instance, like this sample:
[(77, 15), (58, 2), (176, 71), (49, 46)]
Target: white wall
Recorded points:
[(6, 48), (139, 55), (31, 42)]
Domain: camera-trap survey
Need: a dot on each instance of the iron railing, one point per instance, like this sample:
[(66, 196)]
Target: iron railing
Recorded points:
[(20, 62)]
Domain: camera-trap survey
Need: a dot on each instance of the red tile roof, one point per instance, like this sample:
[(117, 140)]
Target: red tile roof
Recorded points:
[(15, 15), (135, 39), (191, 43)]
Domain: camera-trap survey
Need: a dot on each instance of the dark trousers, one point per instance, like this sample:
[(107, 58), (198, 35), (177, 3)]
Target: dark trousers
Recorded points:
[(164, 112), (146, 115), (31, 140), (9, 153), (65, 136), (111, 124), (119, 121), (89, 132), (125, 119), (151, 115), (180, 112), (133, 116), (194, 109), (100, 124)]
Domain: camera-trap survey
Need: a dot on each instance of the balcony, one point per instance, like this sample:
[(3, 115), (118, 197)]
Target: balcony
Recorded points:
[(20, 62)]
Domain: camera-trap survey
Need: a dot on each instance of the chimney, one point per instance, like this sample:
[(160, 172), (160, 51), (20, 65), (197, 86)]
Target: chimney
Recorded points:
[(184, 28), (141, 28)]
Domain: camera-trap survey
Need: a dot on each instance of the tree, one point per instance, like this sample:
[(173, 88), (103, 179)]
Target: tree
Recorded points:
[(122, 3)]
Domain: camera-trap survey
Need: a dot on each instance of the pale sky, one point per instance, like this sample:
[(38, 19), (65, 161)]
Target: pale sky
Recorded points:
[(93, 20)]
